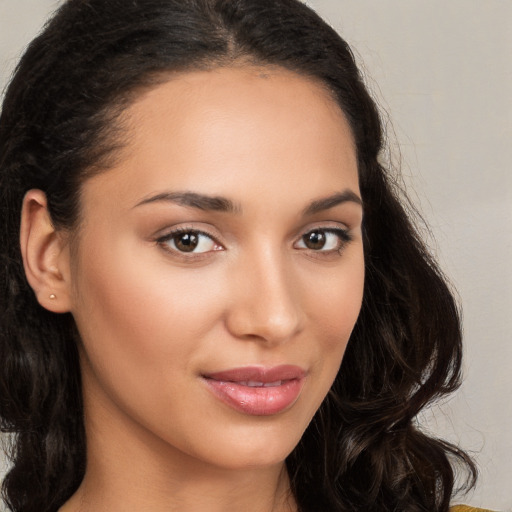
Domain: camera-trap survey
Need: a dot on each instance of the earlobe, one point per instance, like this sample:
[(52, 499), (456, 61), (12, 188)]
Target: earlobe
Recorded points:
[(45, 254)]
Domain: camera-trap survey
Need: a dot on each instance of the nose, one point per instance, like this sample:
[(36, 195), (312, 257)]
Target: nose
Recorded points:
[(265, 303)]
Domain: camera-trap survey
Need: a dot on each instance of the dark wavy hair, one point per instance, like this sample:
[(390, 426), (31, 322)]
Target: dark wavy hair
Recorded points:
[(363, 450)]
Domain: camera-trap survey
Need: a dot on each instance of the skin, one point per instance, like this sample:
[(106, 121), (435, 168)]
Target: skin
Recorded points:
[(153, 320)]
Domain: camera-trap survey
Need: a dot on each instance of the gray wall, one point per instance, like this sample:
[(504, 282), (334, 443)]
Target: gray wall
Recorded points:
[(442, 69)]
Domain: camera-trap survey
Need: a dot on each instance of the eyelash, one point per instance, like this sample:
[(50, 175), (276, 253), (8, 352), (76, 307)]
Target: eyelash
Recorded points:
[(344, 238), (173, 235)]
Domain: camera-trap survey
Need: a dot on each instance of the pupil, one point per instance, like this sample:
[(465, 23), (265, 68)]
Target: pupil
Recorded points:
[(187, 242), (315, 240)]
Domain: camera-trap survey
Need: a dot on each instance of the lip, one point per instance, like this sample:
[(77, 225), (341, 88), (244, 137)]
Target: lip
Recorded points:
[(257, 391)]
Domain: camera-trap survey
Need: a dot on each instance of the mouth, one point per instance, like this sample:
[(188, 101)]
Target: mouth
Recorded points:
[(257, 391)]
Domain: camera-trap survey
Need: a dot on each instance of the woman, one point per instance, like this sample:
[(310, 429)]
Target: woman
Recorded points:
[(198, 233)]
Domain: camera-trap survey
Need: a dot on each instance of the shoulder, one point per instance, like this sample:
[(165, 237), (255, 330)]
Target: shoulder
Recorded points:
[(465, 508)]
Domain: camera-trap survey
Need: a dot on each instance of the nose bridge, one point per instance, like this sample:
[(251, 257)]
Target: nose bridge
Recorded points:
[(266, 305)]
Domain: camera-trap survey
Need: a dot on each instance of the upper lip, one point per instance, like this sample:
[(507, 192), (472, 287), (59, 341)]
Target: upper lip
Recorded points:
[(258, 374)]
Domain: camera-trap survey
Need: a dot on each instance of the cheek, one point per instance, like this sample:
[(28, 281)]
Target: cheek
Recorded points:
[(338, 302), (140, 313), (143, 326), (334, 308)]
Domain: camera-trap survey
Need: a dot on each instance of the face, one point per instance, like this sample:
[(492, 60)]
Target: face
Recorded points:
[(218, 272)]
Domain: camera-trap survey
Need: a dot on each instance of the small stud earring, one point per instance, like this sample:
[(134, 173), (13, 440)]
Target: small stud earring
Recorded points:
[(53, 296)]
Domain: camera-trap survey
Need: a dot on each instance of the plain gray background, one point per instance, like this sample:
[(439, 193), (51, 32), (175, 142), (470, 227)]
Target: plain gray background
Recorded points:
[(442, 70)]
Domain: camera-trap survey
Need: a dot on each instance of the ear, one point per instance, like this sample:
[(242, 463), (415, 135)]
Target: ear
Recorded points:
[(45, 253)]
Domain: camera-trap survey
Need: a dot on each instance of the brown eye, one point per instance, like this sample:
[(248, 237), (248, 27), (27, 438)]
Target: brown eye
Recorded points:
[(186, 242), (314, 240), (324, 240), (189, 241)]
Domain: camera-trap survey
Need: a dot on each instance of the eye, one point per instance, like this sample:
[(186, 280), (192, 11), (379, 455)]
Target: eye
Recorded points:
[(324, 240), (189, 241)]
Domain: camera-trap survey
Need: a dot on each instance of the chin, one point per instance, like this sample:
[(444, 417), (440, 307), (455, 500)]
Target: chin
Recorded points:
[(251, 450)]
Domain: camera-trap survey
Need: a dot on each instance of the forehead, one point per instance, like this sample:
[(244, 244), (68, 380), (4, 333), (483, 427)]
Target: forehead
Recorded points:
[(250, 127)]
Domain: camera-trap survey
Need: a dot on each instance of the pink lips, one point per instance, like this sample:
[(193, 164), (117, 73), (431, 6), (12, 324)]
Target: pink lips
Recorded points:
[(258, 391)]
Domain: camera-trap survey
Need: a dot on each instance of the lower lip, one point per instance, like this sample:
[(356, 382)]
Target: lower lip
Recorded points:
[(257, 401)]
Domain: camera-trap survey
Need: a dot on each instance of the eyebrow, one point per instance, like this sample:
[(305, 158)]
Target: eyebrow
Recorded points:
[(194, 200), (222, 204), (326, 203)]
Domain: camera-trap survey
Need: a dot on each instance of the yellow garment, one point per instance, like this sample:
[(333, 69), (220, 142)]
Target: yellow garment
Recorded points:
[(465, 508)]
